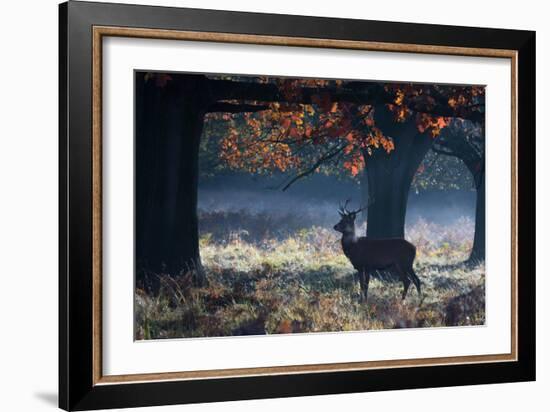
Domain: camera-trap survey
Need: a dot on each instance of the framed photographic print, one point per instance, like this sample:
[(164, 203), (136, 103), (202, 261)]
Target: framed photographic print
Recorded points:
[(257, 205)]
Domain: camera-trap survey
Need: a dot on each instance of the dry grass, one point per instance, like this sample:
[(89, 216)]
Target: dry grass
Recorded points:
[(304, 283)]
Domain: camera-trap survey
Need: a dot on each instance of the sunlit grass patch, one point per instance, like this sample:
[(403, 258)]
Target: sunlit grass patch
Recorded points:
[(304, 283)]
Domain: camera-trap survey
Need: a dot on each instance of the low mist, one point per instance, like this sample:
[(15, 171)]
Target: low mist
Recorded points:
[(316, 199)]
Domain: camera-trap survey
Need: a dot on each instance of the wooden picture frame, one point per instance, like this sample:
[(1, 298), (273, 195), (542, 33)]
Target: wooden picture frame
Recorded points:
[(82, 28)]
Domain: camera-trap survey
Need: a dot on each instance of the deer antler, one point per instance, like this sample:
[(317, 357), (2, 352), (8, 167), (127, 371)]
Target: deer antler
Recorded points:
[(343, 209), (358, 210), (346, 206)]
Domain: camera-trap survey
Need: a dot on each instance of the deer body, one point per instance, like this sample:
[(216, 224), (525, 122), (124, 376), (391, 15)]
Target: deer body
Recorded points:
[(368, 255)]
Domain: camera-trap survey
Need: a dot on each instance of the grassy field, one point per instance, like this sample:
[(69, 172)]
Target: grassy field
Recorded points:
[(267, 280)]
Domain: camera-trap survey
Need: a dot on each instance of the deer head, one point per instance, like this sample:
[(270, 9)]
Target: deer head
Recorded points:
[(346, 225)]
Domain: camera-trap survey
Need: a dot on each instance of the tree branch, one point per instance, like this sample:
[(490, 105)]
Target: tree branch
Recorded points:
[(314, 167), (444, 151), (236, 107), (230, 89), (352, 92)]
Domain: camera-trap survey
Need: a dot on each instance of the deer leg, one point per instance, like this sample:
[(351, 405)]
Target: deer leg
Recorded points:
[(416, 281), (406, 284), (361, 277), (404, 278), (365, 279), (357, 277)]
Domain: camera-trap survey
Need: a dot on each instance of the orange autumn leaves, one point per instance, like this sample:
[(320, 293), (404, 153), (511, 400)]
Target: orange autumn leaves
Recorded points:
[(290, 137), (327, 135), (246, 152), (404, 94), (434, 124), (263, 142)]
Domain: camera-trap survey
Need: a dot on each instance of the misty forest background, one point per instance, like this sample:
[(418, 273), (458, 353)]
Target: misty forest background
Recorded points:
[(238, 181)]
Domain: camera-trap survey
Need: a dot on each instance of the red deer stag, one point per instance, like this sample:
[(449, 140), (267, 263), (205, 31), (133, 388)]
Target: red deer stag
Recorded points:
[(369, 255)]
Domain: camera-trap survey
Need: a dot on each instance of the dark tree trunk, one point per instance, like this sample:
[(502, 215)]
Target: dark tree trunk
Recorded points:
[(476, 164), (478, 250), (167, 142), (390, 175)]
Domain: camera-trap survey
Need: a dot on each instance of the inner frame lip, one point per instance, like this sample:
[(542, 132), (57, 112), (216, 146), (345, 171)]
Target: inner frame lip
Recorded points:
[(100, 31)]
